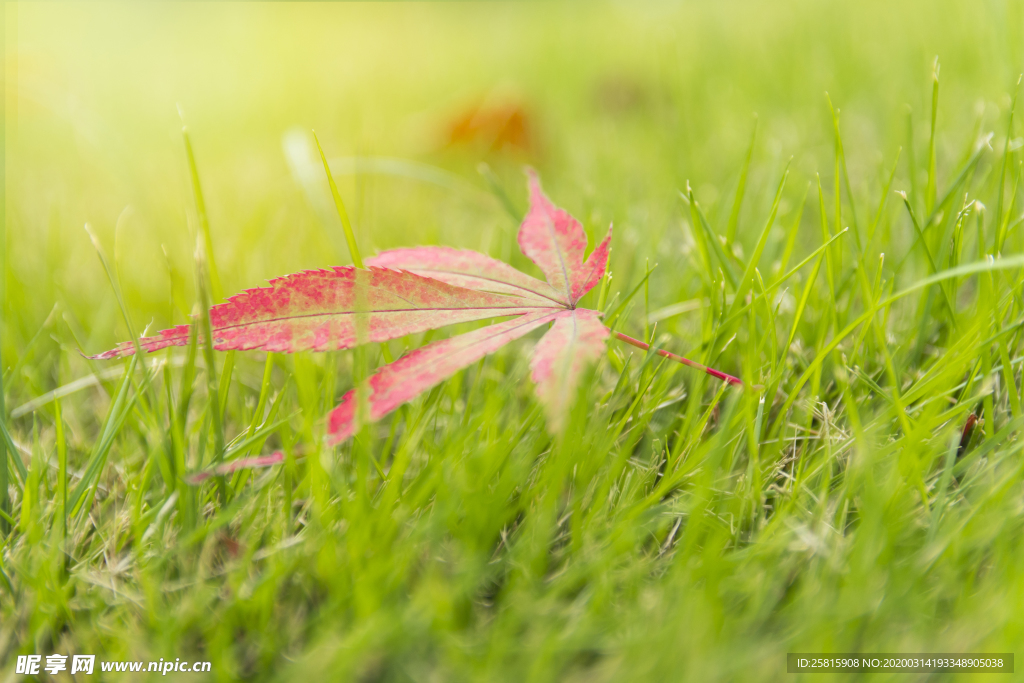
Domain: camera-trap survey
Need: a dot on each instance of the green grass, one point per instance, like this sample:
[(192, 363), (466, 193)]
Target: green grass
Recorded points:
[(676, 531)]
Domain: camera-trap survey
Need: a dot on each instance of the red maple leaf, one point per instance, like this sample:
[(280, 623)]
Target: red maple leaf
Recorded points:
[(404, 291)]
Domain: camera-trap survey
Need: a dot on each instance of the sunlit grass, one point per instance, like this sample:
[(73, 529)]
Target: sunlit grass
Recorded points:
[(677, 530)]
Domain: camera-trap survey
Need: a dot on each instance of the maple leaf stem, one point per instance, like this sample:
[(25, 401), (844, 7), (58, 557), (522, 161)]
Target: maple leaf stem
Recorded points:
[(685, 361)]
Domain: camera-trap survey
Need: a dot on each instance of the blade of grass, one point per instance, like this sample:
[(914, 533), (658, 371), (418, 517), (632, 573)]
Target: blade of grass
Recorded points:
[(911, 157), (741, 187), (257, 416), (797, 317), (841, 165), (770, 325), (830, 266), (700, 223), (495, 186), (1003, 166), (6, 520), (602, 297), (928, 253), (116, 416), (62, 469), (930, 188), (746, 280), (227, 370), (201, 216), (1010, 383), (706, 265), (884, 199), (209, 289), (965, 171), (794, 230), (611, 318), (115, 285), (1004, 225), (259, 435), (346, 224), (14, 457), (212, 387), (647, 298)]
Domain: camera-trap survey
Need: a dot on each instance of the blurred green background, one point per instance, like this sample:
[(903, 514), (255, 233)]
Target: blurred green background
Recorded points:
[(622, 102)]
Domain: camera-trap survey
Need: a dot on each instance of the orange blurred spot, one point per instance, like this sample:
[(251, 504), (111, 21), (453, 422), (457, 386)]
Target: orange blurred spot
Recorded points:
[(493, 126)]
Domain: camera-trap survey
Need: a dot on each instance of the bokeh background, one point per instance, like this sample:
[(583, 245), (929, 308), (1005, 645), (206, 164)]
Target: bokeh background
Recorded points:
[(617, 104)]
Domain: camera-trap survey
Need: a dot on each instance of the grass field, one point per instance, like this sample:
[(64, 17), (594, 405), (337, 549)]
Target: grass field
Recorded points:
[(676, 530)]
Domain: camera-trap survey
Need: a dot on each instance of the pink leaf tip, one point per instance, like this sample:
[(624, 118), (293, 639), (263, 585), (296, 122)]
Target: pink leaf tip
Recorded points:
[(556, 242)]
